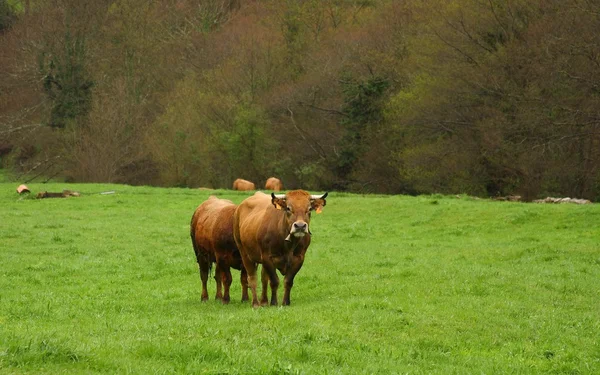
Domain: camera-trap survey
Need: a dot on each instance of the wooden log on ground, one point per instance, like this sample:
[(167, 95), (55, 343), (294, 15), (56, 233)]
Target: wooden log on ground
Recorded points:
[(63, 194)]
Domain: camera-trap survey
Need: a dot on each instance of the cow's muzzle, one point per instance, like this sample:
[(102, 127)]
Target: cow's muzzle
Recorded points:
[(299, 230)]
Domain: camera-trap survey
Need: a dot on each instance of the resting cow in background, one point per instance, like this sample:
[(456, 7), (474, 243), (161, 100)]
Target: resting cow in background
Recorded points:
[(243, 185), (274, 230), (211, 230), (274, 184)]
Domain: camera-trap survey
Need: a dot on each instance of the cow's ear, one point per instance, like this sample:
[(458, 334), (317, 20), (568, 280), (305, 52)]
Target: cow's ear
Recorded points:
[(317, 205), (279, 203)]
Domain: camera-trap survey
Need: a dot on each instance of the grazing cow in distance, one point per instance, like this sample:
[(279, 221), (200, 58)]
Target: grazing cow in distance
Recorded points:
[(274, 230), (274, 184), (243, 185), (211, 231)]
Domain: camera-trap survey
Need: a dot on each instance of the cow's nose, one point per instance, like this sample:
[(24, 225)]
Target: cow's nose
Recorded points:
[(300, 226)]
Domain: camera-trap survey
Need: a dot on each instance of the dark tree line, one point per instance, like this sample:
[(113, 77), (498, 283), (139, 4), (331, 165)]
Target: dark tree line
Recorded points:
[(484, 97)]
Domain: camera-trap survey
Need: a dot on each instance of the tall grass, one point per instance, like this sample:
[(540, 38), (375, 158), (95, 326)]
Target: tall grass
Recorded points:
[(391, 284)]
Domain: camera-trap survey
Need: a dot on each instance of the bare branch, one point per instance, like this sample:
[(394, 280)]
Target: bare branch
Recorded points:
[(466, 55), (471, 38), (496, 17), (334, 111), (18, 128), (49, 162), (311, 143)]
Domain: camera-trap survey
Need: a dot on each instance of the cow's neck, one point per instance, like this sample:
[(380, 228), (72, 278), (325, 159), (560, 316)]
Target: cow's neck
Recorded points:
[(294, 243)]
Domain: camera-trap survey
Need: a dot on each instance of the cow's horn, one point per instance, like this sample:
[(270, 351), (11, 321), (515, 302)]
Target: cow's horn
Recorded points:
[(278, 196), (319, 197)]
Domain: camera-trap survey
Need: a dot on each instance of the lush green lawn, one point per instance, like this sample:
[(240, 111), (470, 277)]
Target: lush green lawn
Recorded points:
[(109, 283)]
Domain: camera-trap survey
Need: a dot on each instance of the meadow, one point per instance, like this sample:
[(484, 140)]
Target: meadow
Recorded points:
[(108, 283)]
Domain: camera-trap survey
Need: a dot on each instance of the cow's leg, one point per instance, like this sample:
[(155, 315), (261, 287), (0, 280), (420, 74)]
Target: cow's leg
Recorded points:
[(203, 265), (271, 272), (219, 280), (223, 277), (250, 267), (227, 279), (288, 280), (244, 282), (265, 282)]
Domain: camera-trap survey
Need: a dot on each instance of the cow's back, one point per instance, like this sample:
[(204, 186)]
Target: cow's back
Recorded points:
[(209, 218)]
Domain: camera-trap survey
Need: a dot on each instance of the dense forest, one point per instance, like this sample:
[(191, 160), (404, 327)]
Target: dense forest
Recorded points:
[(484, 97)]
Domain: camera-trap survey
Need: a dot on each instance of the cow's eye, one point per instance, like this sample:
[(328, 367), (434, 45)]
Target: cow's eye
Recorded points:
[(288, 209)]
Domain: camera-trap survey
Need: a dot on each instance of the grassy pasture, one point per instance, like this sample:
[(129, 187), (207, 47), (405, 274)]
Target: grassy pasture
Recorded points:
[(391, 284)]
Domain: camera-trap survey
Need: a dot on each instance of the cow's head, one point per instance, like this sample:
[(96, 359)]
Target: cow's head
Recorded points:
[(298, 205)]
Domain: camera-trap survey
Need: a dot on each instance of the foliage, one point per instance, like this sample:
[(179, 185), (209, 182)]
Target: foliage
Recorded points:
[(7, 15), (108, 283), (363, 114), (65, 82), (482, 97)]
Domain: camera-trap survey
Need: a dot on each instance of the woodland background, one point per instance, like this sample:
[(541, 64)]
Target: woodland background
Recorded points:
[(484, 97)]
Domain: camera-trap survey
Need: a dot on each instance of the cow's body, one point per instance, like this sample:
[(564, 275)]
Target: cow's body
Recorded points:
[(274, 184), (274, 231), (243, 185), (211, 231)]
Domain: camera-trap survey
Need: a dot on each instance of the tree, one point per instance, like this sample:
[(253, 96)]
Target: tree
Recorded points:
[(7, 15), (363, 109)]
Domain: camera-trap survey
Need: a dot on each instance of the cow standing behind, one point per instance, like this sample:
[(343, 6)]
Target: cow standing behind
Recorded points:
[(274, 184), (211, 231), (274, 230), (243, 185)]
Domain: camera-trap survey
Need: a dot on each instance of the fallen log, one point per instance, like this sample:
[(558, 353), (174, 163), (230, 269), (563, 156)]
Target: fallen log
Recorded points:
[(63, 194), (562, 200), (509, 198)]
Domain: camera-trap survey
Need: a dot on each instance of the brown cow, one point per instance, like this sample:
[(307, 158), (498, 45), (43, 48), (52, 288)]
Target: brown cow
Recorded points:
[(274, 230), (274, 184), (243, 185), (211, 230)]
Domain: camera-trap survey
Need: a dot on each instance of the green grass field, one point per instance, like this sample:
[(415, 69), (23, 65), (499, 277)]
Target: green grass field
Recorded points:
[(391, 284)]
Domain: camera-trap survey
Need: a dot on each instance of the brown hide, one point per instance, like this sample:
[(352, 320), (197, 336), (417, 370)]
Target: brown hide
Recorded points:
[(211, 231), (243, 185), (274, 232), (274, 184)]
